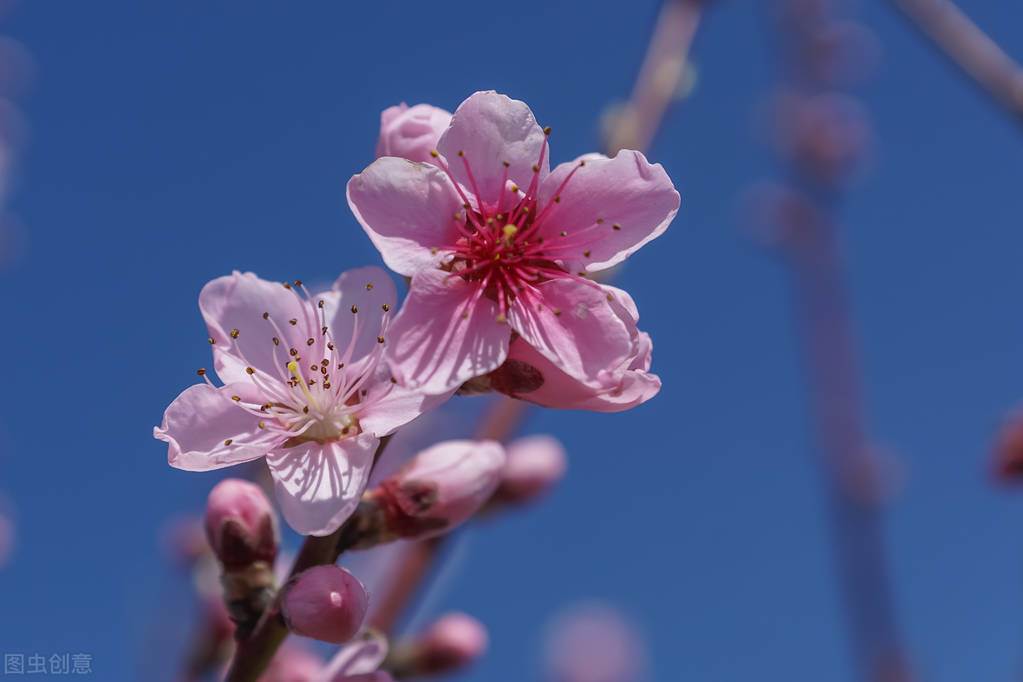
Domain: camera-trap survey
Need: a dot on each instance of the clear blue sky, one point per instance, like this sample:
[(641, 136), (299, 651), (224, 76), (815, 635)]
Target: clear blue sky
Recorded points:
[(173, 142)]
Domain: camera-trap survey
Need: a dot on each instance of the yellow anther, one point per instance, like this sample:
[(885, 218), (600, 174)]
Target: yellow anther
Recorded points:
[(509, 232), (293, 368)]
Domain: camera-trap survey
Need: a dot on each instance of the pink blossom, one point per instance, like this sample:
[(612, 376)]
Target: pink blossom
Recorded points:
[(411, 132), (496, 244), (303, 386)]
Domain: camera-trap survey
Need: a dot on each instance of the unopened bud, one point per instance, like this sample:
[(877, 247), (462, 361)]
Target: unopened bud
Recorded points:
[(326, 603), (1008, 450), (450, 644), (411, 132), (453, 642), (440, 488), (533, 465), (240, 524)]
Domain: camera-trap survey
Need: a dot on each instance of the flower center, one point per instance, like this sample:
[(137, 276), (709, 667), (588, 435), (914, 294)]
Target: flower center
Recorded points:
[(505, 248), (317, 393)]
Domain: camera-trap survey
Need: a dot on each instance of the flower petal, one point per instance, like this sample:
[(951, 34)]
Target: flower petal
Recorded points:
[(233, 308), (390, 406), (633, 200), (368, 291), (574, 326), (205, 430), (319, 485), (441, 339), (633, 387), (359, 657), (491, 129), (407, 209)]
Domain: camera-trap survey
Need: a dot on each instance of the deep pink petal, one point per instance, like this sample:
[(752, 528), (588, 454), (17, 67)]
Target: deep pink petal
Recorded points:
[(575, 327), (408, 211), (319, 485), (630, 388), (492, 129), (633, 200), (237, 302), (411, 132), (440, 339), (205, 429)]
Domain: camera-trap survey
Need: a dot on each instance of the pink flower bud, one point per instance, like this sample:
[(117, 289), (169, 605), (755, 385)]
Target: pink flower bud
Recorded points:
[(240, 524), (293, 663), (441, 487), (534, 464), (326, 603), (451, 643), (411, 132)]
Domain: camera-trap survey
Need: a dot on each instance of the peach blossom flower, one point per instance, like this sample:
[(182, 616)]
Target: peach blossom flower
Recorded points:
[(497, 246)]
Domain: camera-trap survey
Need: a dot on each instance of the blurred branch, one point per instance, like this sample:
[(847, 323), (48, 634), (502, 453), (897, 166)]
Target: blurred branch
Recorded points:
[(823, 133), (659, 79), (969, 48)]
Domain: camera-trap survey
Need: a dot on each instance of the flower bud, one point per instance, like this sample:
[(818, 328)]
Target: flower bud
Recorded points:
[(450, 644), (326, 603), (1008, 450), (411, 132), (240, 524), (440, 487), (533, 465)]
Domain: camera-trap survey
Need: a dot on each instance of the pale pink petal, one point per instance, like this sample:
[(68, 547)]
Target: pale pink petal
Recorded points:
[(631, 388), (319, 485), (233, 306), (491, 129), (372, 293), (440, 339), (607, 210), (360, 657), (408, 210), (411, 132), (390, 406), (205, 429), (574, 326)]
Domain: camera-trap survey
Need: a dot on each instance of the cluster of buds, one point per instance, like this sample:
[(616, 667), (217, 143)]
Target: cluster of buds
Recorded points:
[(241, 528)]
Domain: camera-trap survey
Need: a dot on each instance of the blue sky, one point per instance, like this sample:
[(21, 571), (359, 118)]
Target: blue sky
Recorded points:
[(170, 143)]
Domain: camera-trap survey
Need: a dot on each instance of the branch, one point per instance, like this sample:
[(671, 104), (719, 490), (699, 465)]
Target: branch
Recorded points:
[(969, 48)]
